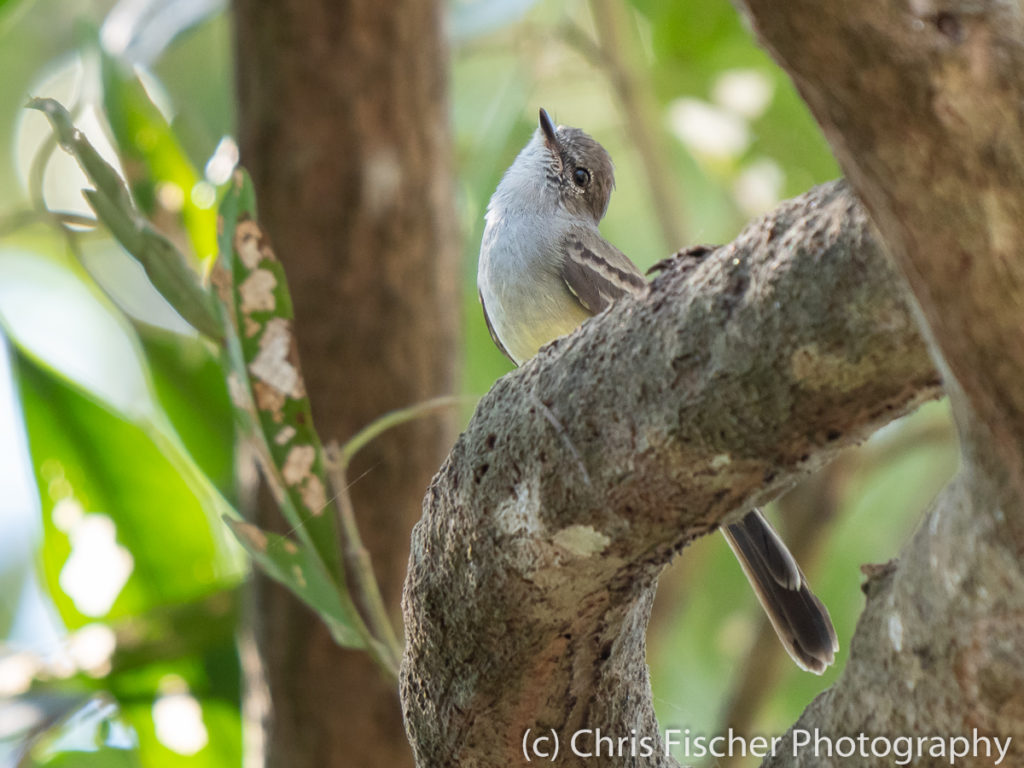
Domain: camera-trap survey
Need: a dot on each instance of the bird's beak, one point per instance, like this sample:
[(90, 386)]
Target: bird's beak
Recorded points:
[(546, 125)]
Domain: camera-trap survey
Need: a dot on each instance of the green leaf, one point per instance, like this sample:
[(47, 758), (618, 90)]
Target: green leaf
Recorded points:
[(189, 384), (164, 265), (310, 567), (154, 156), (172, 633), (91, 464), (256, 291), (296, 567), (267, 379), (56, 315)]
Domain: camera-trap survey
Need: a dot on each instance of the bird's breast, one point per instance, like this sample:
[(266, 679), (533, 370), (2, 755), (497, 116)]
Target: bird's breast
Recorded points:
[(519, 277)]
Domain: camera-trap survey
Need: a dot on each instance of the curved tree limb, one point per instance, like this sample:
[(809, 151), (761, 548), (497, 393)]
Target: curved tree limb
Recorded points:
[(921, 103), (533, 569)]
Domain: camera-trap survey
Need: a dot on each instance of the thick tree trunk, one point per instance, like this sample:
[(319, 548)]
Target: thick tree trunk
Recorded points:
[(343, 123)]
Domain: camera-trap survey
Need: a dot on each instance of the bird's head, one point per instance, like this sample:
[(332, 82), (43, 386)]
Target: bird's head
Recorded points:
[(578, 167), (560, 166)]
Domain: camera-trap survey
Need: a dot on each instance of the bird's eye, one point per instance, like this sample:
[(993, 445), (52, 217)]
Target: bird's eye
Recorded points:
[(581, 176)]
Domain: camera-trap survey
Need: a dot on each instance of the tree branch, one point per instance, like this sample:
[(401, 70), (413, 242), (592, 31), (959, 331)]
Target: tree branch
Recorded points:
[(530, 581), (921, 103)]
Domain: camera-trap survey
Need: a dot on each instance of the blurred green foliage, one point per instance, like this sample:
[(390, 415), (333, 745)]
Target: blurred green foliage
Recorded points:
[(126, 477), (139, 433)]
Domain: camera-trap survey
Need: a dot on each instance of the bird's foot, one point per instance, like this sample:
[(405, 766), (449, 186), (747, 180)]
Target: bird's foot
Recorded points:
[(685, 258)]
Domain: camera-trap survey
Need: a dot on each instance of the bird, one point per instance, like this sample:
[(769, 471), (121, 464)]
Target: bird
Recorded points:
[(545, 268)]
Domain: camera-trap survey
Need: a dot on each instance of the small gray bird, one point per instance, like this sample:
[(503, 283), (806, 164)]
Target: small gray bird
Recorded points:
[(544, 269)]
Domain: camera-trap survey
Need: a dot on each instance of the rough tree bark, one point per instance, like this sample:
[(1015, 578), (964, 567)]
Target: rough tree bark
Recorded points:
[(584, 471), (348, 146), (544, 532), (921, 103)]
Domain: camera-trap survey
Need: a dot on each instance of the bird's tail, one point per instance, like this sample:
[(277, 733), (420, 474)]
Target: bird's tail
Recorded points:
[(800, 619)]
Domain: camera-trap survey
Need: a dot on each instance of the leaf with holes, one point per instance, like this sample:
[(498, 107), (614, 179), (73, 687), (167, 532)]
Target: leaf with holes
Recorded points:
[(255, 289)]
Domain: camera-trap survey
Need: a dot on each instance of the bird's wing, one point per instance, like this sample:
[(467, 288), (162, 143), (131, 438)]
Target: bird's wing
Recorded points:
[(494, 336), (595, 271)]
